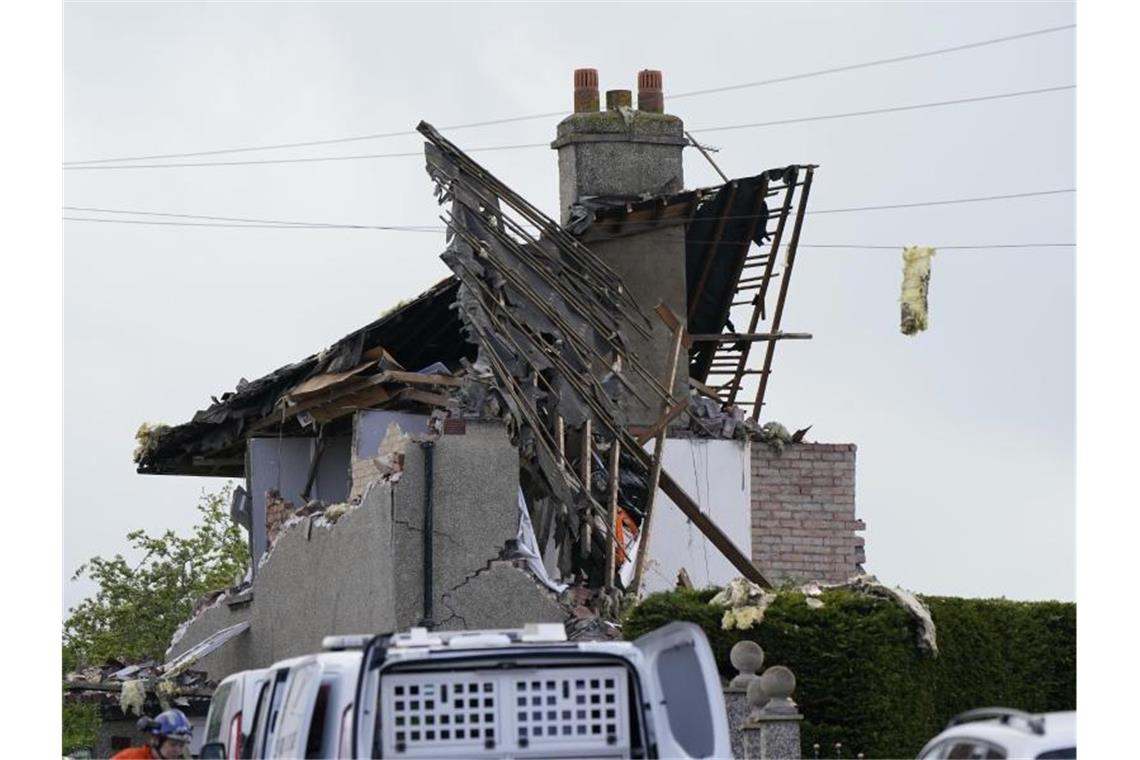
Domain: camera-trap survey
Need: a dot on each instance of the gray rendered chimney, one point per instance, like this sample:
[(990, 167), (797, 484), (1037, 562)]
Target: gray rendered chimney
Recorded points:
[(631, 154)]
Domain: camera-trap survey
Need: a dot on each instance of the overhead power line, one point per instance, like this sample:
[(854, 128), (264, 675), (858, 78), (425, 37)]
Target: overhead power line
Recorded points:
[(884, 207), (407, 154), (404, 229), (437, 228), (797, 120), (893, 109), (939, 247), (280, 226), (257, 223), (879, 62), (948, 202), (552, 114), (401, 227)]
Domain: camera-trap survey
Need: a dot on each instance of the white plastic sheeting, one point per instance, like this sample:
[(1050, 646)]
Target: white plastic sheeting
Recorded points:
[(528, 548), (717, 474)]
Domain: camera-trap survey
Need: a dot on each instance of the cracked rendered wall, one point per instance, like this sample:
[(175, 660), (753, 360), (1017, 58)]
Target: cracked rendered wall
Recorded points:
[(364, 574), (334, 579), (475, 513)]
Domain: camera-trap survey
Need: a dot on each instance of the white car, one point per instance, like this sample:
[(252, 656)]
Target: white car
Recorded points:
[(1003, 734)]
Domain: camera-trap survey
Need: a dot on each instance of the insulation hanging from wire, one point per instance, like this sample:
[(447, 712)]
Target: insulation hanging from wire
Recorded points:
[(915, 287)]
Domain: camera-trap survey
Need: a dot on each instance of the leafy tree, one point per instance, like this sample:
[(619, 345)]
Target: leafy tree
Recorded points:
[(80, 727), (136, 610)]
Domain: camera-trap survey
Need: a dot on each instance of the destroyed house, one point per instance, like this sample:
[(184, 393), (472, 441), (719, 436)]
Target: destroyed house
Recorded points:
[(573, 416)]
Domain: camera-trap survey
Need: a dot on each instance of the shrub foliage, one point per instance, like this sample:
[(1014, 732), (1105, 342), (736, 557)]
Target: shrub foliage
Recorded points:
[(861, 679)]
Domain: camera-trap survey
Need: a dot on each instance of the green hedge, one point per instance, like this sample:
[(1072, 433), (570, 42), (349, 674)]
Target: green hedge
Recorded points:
[(861, 679)]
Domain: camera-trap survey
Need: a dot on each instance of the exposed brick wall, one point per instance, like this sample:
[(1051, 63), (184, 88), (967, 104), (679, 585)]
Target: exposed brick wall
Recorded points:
[(277, 511), (803, 512)]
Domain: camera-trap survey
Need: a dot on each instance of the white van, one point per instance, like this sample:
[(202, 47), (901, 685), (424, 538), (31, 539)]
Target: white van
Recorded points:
[(232, 708), (303, 709), (531, 693), (493, 694)]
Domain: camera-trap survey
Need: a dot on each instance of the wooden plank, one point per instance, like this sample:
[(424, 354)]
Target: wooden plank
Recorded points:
[(611, 539), (346, 388), (584, 468), (351, 403), (560, 438), (424, 397), (672, 321), (659, 426), (749, 337), (325, 382), (711, 530), (348, 391), (415, 378), (655, 469), (704, 390)]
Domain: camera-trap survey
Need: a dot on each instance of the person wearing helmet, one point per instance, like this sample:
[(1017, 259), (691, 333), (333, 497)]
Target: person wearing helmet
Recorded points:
[(170, 733)]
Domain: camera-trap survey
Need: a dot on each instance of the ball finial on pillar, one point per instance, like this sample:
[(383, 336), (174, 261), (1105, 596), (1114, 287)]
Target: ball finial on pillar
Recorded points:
[(747, 657), (778, 684)]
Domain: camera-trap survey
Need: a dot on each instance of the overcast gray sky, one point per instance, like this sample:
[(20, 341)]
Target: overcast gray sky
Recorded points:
[(966, 432)]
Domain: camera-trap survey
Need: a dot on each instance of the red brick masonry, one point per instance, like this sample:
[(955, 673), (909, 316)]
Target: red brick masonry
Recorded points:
[(803, 512)]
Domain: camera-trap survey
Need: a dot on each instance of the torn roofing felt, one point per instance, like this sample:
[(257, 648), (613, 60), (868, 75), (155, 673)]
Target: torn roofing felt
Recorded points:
[(721, 225), (416, 334)]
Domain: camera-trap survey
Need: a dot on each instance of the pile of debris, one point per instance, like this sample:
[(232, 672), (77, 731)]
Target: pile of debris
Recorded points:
[(708, 417), (745, 604), (143, 688)]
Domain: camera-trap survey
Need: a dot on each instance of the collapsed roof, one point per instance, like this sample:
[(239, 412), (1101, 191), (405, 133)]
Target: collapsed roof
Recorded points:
[(417, 334), (721, 223)]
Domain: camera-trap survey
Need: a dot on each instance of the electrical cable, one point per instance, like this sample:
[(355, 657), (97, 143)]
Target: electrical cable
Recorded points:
[(284, 223), (798, 120), (409, 154), (419, 229), (284, 226), (440, 228), (551, 114), (894, 109)]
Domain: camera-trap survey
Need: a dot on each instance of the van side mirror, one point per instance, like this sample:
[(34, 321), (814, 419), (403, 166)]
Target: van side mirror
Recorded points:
[(212, 751)]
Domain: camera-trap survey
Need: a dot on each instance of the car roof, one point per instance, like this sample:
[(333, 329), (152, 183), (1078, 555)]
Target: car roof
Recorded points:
[(1059, 731)]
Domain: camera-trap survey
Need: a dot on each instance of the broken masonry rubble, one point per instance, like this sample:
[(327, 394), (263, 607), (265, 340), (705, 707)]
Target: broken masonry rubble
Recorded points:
[(745, 604)]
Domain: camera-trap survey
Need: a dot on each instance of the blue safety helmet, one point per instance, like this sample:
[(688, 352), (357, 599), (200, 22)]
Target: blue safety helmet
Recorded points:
[(171, 724)]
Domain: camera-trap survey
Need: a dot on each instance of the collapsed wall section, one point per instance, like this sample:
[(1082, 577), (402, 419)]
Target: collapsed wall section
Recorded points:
[(364, 573), (803, 513), (319, 579)]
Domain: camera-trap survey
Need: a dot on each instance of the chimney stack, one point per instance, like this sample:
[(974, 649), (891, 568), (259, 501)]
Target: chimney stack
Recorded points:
[(606, 152), (585, 90), (622, 154), (650, 96)]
